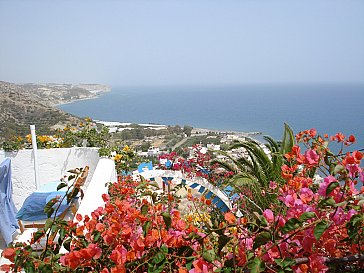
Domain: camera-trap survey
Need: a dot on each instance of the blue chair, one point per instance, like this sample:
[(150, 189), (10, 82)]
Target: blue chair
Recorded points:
[(33, 206)]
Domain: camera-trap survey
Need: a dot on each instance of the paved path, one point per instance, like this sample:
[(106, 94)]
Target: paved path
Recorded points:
[(179, 143)]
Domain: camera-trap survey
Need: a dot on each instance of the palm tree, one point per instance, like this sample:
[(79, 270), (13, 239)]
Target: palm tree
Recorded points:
[(253, 171)]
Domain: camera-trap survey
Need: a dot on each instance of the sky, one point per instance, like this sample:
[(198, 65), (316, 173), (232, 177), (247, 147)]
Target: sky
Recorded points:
[(200, 42)]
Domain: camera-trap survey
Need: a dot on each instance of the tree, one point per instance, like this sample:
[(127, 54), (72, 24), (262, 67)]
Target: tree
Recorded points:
[(260, 164), (187, 130)]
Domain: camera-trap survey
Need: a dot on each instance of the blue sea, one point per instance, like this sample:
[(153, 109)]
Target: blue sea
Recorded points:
[(250, 108)]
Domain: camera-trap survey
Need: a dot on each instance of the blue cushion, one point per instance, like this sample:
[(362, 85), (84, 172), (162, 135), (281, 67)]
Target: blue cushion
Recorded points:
[(33, 206), (50, 187)]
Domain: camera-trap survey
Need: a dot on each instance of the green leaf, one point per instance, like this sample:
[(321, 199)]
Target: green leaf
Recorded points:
[(45, 268), (70, 177), (327, 202), (146, 227), (61, 186), (167, 219), (257, 266), (74, 193), (356, 218), (262, 239), (39, 234), (341, 204), (74, 171), (285, 263), (164, 249), (62, 233), (48, 224), (67, 244), (144, 209), (158, 258), (97, 235), (287, 140), (306, 215), (331, 187), (29, 267), (209, 255), (290, 225), (338, 169), (48, 209), (320, 229)]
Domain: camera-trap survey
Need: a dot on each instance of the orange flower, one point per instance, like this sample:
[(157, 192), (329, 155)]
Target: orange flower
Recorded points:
[(230, 218)]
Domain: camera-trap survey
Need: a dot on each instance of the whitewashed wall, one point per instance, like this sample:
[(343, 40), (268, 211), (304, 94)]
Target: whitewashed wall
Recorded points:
[(53, 164)]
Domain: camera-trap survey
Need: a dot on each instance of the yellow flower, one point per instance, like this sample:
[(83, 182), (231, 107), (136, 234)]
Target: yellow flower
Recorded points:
[(233, 230), (29, 138), (198, 218), (126, 148), (117, 157)]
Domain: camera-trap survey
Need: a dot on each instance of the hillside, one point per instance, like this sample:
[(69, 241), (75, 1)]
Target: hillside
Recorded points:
[(53, 94), (19, 108)]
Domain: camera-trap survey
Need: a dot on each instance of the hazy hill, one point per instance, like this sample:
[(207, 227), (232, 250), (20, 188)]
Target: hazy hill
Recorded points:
[(53, 93), (20, 106)]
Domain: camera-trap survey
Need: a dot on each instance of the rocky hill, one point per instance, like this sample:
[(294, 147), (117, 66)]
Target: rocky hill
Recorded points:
[(22, 105), (54, 94)]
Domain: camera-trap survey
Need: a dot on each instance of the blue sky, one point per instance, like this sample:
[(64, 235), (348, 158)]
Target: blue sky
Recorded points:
[(182, 42)]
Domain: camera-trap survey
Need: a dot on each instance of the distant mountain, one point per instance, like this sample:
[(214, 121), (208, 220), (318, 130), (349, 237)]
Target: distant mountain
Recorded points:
[(25, 104)]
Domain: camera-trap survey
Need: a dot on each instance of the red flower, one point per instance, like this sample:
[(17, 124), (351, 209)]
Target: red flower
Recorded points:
[(9, 253)]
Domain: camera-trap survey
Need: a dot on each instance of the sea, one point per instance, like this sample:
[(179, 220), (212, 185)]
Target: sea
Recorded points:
[(329, 108)]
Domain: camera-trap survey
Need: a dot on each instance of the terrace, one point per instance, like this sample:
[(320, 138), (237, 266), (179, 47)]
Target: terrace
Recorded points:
[(53, 164)]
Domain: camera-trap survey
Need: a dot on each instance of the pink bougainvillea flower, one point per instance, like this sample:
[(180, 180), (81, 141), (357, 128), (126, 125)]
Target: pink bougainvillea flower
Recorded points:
[(312, 132), (352, 189), (268, 214), (317, 263), (272, 185), (311, 158), (118, 255), (353, 169), (323, 186), (350, 214), (289, 200), (338, 216), (306, 195), (201, 266)]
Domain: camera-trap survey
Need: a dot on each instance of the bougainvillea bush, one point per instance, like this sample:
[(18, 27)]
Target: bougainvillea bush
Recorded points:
[(313, 226)]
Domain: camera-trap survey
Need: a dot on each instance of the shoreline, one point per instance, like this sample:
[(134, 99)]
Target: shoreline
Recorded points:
[(200, 131), (79, 99), (93, 95), (111, 124)]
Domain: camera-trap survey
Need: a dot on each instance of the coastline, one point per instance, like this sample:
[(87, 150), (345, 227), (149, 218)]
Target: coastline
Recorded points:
[(93, 94), (111, 124)]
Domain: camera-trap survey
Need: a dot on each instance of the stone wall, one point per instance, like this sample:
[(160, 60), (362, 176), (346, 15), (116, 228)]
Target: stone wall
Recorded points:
[(53, 164)]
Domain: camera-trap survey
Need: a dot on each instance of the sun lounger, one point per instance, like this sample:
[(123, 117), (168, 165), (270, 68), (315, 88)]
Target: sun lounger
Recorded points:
[(32, 215)]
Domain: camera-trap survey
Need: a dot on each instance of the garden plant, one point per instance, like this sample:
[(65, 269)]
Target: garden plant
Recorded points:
[(309, 225)]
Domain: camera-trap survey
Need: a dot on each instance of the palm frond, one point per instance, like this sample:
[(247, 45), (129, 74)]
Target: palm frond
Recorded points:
[(288, 139)]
